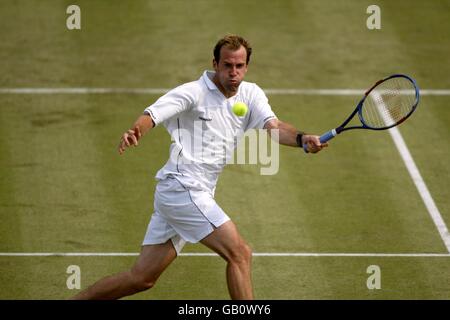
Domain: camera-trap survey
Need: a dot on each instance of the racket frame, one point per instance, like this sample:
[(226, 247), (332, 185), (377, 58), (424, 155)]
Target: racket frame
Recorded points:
[(358, 110)]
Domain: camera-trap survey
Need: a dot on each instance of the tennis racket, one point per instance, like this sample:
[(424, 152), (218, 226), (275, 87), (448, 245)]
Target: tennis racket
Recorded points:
[(386, 104)]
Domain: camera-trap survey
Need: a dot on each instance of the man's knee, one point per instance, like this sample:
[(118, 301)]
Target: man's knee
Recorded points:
[(142, 281), (242, 253)]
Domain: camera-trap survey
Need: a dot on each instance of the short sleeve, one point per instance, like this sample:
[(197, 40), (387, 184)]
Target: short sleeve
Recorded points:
[(172, 103), (260, 110)]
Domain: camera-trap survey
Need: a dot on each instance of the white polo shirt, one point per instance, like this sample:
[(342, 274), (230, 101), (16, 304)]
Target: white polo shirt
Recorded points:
[(204, 129)]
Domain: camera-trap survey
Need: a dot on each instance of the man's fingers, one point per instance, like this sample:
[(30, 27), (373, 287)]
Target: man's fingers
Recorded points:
[(123, 145), (137, 132), (313, 143), (129, 138), (125, 139), (132, 136), (313, 147), (316, 141), (133, 139)]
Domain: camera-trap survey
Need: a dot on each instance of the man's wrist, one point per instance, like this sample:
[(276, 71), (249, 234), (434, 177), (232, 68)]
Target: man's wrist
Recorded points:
[(300, 139)]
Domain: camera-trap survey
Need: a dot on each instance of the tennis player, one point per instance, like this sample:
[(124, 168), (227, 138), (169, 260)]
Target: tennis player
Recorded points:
[(199, 114)]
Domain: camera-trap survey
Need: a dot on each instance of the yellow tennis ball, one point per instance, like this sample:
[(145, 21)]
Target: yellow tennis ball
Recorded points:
[(240, 109)]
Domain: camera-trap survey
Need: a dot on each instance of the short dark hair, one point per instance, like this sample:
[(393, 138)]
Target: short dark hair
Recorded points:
[(233, 42)]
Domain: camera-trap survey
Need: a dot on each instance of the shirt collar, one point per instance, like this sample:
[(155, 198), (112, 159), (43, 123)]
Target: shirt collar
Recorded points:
[(207, 76)]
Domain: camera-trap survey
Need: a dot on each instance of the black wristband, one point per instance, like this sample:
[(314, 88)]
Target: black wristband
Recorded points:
[(299, 139)]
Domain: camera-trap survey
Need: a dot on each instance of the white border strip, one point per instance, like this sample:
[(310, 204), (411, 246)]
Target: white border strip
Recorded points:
[(196, 254), (315, 92)]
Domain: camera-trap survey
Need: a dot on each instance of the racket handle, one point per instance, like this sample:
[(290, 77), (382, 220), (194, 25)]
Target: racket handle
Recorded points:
[(323, 138), (328, 136)]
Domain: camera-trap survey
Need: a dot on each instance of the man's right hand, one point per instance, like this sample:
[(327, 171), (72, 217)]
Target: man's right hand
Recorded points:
[(312, 143), (129, 138)]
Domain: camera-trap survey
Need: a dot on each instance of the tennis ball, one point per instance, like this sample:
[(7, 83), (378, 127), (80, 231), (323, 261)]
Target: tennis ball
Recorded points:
[(240, 109)]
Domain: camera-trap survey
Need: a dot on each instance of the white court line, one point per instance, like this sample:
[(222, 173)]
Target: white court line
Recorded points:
[(196, 254), (269, 91), (415, 175)]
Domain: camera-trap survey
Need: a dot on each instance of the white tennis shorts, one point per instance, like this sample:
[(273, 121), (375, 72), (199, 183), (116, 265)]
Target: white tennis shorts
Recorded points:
[(182, 215)]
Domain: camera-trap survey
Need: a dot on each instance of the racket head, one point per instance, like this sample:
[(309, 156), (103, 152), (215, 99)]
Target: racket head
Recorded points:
[(389, 102)]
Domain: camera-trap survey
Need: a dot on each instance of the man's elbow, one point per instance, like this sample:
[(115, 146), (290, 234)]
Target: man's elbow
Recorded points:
[(273, 124)]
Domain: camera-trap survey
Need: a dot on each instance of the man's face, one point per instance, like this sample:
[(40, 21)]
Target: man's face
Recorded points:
[(230, 70)]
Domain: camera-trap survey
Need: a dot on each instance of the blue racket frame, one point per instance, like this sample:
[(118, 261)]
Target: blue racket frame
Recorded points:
[(358, 110)]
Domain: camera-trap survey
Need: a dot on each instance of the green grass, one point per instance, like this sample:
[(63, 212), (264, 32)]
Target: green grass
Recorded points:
[(64, 188)]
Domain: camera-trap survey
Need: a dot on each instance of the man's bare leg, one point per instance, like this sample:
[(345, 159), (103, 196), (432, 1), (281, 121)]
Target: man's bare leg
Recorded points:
[(229, 244), (152, 261)]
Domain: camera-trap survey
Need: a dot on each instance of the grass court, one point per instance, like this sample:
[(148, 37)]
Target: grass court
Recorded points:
[(65, 189)]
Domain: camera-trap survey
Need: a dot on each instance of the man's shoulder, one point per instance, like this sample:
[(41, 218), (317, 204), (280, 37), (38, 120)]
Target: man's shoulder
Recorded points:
[(195, 85), (192, 88), (190, 91), (251, 89)]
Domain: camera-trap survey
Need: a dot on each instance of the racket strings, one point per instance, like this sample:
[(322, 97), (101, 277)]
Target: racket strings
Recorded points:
[(389, 103)]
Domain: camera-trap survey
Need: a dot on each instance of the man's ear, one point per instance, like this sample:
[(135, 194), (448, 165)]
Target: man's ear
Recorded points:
[(215, 64)]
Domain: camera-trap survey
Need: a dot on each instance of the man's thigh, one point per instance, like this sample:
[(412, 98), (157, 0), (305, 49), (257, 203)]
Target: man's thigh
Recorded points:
[(224, 240)]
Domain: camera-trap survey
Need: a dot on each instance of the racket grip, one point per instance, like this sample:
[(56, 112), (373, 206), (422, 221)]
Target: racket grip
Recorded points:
[(323, 138), (328, 136)]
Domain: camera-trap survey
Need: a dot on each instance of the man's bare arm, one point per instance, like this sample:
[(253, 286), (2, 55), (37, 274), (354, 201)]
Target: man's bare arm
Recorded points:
[(131, 137), (287, 135)]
